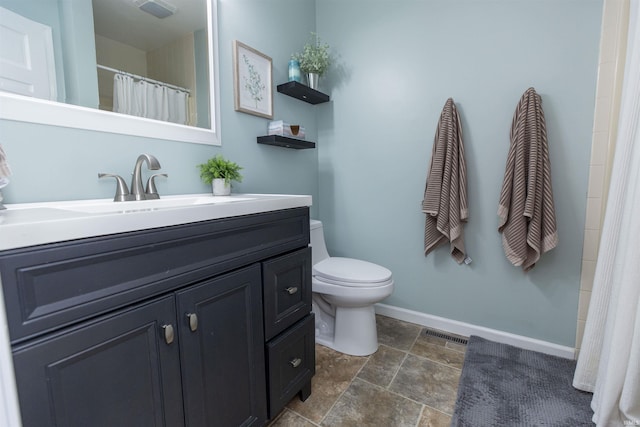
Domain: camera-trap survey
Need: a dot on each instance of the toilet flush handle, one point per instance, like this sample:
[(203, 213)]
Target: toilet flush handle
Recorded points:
[(291, 290)]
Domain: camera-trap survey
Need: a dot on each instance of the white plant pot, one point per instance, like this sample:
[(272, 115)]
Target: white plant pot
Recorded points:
[(220, 188)]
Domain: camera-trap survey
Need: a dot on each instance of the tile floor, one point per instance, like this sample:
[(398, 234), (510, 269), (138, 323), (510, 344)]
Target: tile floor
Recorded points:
[(412, 380)]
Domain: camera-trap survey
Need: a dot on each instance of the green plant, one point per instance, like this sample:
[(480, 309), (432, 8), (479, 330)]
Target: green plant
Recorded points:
[(219, 167), (314, 57)]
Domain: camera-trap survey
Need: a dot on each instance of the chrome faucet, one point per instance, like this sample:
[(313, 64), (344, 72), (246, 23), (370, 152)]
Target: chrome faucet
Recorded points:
[(137, 189)]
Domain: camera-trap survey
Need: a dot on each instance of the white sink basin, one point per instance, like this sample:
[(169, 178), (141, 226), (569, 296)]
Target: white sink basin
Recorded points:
[(102, 206)]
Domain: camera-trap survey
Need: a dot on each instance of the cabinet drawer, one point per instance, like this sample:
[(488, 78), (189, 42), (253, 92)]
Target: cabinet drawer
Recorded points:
[(291, 362), (286, 291)]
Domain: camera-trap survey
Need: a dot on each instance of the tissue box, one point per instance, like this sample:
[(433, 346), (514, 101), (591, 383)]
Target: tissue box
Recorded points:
[(279, 127)]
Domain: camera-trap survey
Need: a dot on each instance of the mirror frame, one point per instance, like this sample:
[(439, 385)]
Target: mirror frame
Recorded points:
[(34, 110)]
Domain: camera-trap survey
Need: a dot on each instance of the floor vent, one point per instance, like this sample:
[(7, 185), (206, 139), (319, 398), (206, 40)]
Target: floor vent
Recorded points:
[(439, 334)]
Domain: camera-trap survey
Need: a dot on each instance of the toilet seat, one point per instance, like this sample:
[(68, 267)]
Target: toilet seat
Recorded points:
[(351, 272)]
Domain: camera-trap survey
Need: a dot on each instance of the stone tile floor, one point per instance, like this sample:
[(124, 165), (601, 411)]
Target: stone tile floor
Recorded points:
[(412, 380)]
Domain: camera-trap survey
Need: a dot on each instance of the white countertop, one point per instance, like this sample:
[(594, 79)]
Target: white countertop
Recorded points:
[(29, 224)]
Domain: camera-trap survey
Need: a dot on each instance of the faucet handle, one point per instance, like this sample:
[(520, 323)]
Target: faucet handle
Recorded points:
[(122, 192), (151, 192)]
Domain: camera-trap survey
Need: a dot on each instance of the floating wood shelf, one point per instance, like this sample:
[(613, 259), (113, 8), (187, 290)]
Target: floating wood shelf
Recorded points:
[(303, 93), (283, 141)]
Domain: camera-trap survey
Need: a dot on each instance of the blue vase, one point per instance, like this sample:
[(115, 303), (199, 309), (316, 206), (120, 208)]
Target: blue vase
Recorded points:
[(294, 70)]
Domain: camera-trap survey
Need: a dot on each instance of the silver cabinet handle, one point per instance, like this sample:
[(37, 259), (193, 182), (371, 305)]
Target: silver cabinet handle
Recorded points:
[(168, 333), (295, 362), (193, 321), (291, 290)]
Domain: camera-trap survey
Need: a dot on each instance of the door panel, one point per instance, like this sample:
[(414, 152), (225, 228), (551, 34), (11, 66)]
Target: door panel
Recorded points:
[(223, 358), (26, 57), (117, 371)]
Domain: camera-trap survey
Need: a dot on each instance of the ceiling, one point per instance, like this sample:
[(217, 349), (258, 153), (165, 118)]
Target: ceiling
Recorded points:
[(121, 20)]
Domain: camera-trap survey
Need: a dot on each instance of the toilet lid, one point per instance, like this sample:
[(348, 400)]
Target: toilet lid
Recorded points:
[(351, 272)]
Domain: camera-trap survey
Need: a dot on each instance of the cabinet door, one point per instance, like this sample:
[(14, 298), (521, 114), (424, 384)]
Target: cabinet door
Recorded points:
[(221, 349), (115, 371)]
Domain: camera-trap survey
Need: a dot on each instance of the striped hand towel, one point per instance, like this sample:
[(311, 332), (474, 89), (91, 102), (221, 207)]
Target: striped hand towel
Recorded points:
[(527, 217), (5, 171), (445, 195)]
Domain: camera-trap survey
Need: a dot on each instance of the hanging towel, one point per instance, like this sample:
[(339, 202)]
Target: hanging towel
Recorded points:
[(527, 217), (445, 195), (5, 171)]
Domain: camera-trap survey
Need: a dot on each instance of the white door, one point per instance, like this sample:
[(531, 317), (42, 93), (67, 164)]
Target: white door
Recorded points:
[(27, 65)]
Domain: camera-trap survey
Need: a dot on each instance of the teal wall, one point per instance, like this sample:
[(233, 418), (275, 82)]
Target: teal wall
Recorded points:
[(397, 63), (55, 163), (78, 44)]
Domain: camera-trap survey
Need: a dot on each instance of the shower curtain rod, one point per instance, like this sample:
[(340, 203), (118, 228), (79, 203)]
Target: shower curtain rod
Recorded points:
[(147, 79)]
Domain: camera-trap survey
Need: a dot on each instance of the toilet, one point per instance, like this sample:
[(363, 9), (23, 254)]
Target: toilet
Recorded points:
[(344, 292)]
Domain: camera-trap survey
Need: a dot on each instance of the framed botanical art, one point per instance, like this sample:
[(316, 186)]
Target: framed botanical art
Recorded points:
[(252, 80)]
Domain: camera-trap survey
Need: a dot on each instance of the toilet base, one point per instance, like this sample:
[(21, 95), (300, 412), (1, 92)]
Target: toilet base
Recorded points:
[(355, 331)]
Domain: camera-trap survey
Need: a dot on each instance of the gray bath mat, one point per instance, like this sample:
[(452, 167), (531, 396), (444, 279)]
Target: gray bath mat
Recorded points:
[(502, 385)]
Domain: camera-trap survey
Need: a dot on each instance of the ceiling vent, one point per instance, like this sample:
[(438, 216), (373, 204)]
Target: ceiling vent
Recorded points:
[(158, 8)]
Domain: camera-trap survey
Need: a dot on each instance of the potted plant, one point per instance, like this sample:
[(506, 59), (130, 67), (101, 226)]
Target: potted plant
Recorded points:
[(314, 60), (219, 172)]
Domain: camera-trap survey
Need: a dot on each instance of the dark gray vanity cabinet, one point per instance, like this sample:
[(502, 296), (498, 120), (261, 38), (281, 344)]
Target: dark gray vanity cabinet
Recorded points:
[(161, 327), (125, 369)]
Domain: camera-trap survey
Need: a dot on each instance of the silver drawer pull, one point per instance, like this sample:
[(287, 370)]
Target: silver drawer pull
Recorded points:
[(193, 321), (168, 333), (291, 290), (295, 362)]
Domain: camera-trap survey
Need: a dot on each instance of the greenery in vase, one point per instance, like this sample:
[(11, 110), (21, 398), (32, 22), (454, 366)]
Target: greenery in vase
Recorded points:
[(219, 167), (314, 57)]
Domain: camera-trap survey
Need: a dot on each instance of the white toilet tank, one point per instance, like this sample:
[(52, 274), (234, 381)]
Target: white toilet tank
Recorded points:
[(318, 247)]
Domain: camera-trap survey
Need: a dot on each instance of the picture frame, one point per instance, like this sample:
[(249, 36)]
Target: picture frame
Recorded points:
[(252, 81)]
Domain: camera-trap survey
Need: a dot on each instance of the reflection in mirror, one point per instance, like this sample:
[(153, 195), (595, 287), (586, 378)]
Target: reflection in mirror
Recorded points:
[(147, 59), (154, 43)]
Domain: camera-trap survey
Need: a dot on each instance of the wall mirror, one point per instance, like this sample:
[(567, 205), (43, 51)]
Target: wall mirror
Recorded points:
[(135, 67)]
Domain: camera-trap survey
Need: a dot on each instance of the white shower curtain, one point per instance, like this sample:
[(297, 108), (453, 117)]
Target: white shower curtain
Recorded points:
[(122, 94), (609, 361), (153, 101)]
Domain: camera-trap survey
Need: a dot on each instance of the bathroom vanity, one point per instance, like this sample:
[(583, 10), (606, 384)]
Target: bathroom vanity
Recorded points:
[(194, 314)]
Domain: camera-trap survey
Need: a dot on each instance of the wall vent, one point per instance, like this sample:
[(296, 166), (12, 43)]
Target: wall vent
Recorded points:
[(440, 334), (158, 8)]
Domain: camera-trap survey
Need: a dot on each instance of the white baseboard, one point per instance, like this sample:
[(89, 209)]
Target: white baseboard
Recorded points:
[(467, 329)]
